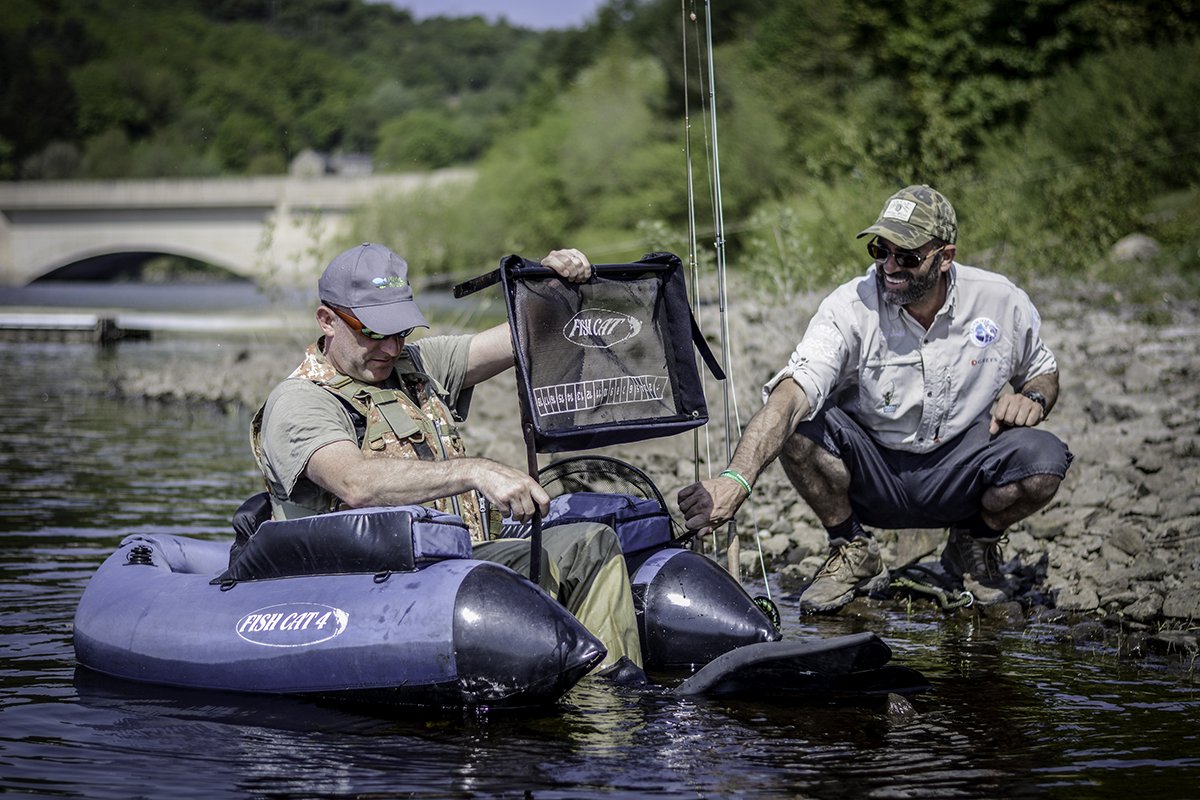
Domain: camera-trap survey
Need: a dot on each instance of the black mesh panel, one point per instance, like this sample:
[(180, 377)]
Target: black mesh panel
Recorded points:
[(604, 362)]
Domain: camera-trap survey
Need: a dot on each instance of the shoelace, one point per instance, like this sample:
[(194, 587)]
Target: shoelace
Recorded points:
[(993, 556), (840, 558)]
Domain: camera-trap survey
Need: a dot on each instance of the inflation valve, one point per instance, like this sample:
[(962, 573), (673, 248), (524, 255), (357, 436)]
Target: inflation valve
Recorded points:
[(141, 554)]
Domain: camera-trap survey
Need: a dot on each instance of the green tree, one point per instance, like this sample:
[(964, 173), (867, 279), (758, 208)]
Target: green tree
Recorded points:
[(424, 138)]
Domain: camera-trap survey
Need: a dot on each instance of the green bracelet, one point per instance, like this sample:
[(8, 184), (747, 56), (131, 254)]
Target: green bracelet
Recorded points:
[(737, 476)]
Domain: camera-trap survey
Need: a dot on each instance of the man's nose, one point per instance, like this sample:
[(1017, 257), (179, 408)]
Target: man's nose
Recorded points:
[(390, 345)]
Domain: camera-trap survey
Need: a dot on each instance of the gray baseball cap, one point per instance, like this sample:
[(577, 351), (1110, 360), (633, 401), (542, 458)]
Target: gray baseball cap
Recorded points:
[(913, 216), (372, 282)]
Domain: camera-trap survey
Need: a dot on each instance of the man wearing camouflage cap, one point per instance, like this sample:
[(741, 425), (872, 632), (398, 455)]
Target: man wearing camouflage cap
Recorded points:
[(893, 411)]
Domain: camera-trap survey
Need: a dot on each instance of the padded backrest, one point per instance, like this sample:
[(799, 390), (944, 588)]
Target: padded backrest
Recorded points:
[(363, 540)]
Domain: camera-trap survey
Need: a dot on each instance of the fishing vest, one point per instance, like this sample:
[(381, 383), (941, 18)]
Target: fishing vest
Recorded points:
[(396, 426)]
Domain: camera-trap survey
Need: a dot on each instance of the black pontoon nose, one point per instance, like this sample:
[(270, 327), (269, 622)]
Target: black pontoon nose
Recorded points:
[(514, 645), (690, 611)]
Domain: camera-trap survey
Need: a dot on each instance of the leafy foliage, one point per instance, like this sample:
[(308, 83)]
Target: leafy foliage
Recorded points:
[(243, 85), (1055, 126)]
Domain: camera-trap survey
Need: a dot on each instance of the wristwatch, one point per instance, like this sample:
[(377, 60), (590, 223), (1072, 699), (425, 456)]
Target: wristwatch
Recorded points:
[(1038, 398)]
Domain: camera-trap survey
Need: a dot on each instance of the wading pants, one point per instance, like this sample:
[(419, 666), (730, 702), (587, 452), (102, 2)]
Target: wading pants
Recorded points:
[(582, 567)]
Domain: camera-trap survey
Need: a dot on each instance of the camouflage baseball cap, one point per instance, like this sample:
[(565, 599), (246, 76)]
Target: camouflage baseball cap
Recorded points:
[(913, 216)]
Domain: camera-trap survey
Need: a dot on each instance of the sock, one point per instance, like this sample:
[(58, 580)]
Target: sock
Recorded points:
[(847, 530), (980, 529)]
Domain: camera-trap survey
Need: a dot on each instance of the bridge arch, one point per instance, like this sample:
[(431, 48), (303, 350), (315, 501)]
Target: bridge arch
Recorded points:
[(268, 229), (105, 263)]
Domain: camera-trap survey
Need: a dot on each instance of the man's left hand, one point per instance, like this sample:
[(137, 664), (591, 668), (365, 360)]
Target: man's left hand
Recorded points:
[(571, 265), (1015, 411)]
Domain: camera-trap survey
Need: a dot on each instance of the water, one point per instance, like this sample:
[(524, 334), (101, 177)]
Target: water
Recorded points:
[(1013, 713)]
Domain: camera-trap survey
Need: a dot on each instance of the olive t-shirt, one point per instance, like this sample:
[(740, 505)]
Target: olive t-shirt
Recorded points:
[(300, 417)]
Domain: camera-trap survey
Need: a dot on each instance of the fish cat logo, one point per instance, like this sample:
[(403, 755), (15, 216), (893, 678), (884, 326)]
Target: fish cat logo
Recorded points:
[(390, 282), (599, 327), (983, 331), (292, 624)]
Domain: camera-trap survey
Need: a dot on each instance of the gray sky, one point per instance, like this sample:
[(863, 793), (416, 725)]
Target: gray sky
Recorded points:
[(525, 13)]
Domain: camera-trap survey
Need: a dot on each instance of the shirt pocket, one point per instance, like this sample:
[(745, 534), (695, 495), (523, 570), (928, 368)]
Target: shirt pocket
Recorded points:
[(989, 370), (891, 385)]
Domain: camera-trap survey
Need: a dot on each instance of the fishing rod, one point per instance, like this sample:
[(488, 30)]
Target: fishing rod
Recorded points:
[(732, 544), (729, 394)]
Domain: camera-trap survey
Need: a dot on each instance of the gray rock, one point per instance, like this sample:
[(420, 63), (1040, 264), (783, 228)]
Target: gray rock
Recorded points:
[(911, 545), (1078, 598), (1128, 540), (809, 540), (1183, 603), (1147, 609), (775, 546)]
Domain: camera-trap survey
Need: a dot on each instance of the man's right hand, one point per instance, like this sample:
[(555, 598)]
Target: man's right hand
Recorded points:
[(710, 503), (511, 492)]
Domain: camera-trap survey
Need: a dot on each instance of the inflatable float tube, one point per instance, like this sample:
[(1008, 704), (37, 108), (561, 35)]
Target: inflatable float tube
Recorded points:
[(398, 614)]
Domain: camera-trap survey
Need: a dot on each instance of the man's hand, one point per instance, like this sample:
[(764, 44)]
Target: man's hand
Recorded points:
[(1015, 411), (710, 503), (570, 264), (512, 492)]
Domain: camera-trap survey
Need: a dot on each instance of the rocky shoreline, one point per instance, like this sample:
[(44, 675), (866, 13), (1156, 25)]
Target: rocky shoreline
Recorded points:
[(1117, 553)]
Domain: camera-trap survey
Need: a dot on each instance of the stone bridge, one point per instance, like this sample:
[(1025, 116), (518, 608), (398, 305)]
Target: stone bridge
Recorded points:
[(275, 230)]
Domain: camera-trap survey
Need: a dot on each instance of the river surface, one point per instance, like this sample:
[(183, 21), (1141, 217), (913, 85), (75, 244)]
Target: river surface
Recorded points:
[(1013, 712)]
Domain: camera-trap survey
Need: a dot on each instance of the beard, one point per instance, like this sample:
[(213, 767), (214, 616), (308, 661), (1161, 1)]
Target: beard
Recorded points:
[(919, 285)]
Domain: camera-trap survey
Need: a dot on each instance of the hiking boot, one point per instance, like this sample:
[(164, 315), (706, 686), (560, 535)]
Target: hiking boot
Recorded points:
[(855, 567), (977, 563)]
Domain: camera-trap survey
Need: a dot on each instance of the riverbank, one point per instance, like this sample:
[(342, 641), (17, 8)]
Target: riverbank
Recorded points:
[(1117, 553)]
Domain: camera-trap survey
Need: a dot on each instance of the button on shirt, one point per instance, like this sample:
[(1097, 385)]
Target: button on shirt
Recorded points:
[(912, 388)]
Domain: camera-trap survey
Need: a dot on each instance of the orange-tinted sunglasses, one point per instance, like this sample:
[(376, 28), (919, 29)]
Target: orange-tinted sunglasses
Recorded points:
[(356, 324)]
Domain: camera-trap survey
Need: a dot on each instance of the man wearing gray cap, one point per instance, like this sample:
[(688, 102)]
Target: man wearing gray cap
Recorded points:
[(893, 411), (370, 419)]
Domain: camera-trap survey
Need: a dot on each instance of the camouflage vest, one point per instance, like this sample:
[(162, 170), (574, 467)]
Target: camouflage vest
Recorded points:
[(396, 427)]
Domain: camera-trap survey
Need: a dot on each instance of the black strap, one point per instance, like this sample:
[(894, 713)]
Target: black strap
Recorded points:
[(705, 352), (473, 285)]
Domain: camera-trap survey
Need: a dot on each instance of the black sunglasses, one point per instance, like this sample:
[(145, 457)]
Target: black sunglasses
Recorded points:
[(905, 259)]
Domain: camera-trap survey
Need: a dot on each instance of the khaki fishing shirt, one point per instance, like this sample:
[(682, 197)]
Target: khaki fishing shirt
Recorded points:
[(910, 388)]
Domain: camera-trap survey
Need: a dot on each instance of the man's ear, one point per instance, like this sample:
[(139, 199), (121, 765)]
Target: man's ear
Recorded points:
[(948, 256), (325, 319)]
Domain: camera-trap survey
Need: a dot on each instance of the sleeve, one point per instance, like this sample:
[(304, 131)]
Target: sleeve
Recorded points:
[(299, 418), (445, 358), (822, 356), (1031, 356)]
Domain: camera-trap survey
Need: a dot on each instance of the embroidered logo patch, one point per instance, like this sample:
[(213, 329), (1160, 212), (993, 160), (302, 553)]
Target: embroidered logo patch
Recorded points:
[(888, 404), (391, 282), (899, 209), (983, 331)]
